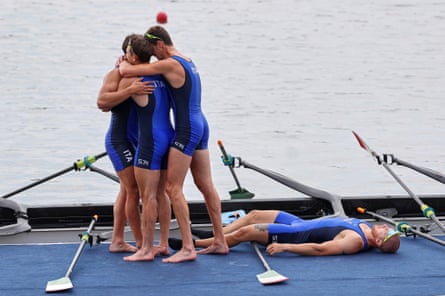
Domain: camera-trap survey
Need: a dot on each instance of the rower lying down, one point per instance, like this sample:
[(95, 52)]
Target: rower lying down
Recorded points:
[(284, 232)]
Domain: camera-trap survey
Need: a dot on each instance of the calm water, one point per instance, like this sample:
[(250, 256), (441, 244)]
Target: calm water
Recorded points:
[(284, 83)]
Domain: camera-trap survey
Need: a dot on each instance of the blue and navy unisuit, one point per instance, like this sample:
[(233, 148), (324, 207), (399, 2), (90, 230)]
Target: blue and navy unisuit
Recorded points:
[(191, 127), (289, 228)]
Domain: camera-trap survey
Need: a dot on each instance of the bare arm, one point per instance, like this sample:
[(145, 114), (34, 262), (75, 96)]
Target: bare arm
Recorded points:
[(110, 95), (169, 68), (345, 245), (128, 70)]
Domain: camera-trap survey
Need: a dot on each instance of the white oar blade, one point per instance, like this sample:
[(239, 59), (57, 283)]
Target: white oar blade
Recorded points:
[(271, 277), (61, 284)]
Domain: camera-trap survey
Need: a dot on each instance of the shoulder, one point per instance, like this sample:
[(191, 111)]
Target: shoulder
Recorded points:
[(165, 65), (113, 75)]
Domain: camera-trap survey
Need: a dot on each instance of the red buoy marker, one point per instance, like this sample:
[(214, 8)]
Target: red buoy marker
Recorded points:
[(161, 17)]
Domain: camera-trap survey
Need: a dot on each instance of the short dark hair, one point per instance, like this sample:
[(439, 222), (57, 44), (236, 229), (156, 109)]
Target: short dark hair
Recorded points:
[(141, 47), (156, 33), (126, 41)]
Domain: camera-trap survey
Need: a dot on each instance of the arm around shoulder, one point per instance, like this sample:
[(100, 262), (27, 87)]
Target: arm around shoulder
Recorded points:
[(111, 94)]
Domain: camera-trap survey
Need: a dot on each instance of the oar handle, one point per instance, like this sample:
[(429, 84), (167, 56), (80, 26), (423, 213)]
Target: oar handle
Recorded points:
[(87, 161), (226, 157)]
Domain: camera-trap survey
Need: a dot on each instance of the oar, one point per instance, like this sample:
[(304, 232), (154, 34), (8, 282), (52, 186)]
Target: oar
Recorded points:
[(310, 191), (65, 283), (402, 226), (389, 158), (427, 211), (300, 187), (104, 173), (239, 193), (270, 276), (79, 164)]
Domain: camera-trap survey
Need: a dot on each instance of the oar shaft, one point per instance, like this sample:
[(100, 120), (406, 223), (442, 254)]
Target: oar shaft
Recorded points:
[(396, 224), (431, 215), (412, 194), (425, 171), (226, 157), (77, 165), (310, 191), (104, 173), (266, 265), (68, 169), (85, 237)]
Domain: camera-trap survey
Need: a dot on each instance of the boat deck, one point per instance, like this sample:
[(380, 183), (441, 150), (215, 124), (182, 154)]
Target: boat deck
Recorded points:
[(417, 269)]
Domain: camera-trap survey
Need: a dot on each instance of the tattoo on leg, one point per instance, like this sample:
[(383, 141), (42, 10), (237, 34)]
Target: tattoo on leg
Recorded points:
[(261, 227)]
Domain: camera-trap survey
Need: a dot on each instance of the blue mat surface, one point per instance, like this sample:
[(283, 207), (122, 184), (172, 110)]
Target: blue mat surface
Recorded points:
[(417, 269)]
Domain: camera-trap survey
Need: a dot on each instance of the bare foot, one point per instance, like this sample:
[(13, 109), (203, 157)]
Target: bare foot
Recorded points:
[(181, 256), (215, 249), (141, 255), (122, 248), (161, 250)]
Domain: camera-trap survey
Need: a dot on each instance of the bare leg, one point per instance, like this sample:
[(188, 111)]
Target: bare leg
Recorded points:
[(118, 243), (252, 232), (201, 171), (147, 181), (253, 217), (164, 215), (132, 207), (178, 165)]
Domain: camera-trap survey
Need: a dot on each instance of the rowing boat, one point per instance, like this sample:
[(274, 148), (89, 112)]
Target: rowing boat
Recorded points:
[(53, 232)]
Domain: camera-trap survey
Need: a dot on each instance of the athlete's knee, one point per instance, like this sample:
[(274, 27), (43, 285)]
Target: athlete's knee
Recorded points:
[(242, 234), (204, 185), (172, 190), (253, 216), (133, 189)]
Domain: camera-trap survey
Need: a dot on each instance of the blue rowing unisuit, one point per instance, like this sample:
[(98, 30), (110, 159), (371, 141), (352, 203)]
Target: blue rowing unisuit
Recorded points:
[(289, 228), (121, 137), (191, 127), (155, 129)]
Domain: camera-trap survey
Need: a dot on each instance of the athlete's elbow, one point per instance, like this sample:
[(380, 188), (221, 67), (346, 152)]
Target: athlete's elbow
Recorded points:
[(124, 71), (102, 105)]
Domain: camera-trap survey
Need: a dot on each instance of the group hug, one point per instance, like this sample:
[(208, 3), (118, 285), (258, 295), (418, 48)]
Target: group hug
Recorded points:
[(157, 134)]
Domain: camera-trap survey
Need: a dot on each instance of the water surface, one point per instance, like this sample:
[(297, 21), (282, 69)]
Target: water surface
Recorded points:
[(284, 83)]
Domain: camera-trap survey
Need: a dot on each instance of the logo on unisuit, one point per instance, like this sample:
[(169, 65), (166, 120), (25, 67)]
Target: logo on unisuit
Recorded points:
[(143, 162), (128, 156), (158, 83), (178, 145)]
